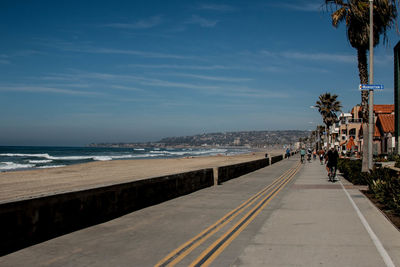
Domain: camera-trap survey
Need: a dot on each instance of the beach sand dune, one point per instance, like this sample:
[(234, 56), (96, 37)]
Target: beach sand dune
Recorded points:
[(33, 183)]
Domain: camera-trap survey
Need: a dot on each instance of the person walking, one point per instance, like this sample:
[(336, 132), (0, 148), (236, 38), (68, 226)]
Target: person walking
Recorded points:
[(287, 152)]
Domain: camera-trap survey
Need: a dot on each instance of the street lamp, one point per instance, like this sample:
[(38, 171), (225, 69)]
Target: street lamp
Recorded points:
[(371, 81)]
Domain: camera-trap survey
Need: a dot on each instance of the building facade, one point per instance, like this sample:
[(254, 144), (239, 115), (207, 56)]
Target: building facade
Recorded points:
[(347, 132)]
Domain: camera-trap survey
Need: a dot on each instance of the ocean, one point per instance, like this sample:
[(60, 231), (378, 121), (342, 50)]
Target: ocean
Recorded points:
[(14, 158)]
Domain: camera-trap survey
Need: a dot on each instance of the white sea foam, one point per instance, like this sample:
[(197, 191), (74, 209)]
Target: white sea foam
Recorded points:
[(51, 166), (45, 158), (14, 166), (40, 161), (102, 158), (213, 151), (25, 155), (51, 158)]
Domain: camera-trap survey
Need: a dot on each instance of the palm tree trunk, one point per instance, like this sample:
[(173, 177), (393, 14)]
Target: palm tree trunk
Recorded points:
[(362, 65), (363, 73), (327, 139)]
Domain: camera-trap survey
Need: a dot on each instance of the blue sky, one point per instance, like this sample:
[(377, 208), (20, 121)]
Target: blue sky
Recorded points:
[(76, 72)]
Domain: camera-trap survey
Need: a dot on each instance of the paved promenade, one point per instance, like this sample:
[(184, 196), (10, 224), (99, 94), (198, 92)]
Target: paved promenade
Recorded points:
[(286, 214), (317, 225)]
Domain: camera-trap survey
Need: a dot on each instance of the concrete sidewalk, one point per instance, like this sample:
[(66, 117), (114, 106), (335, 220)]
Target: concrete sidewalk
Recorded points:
[(317, 224), (311, 222)]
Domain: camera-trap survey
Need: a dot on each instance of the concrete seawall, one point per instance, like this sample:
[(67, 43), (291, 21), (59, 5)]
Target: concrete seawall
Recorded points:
[(276, 159), (226, 173), (31, 221)]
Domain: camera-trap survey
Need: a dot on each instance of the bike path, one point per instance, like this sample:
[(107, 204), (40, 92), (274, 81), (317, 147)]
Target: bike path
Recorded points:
[(317, 225), (300, 219), (146, 236)]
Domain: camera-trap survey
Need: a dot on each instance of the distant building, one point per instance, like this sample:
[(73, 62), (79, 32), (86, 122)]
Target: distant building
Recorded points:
[(384, 140), (347, 133), (350, 126), (237, 142)]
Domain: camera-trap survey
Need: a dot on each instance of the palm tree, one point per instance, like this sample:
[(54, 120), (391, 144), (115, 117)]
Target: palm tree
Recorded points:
[(328, 105), (355, 13)]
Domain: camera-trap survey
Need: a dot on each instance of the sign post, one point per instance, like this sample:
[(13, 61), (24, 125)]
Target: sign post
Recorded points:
[(371, 121), (397, 97)]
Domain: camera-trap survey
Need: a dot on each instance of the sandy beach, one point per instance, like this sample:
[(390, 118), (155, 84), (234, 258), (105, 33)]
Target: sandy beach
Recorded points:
[(33, 183)]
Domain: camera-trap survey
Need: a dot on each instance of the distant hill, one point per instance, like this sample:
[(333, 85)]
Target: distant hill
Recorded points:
[(249, 138)]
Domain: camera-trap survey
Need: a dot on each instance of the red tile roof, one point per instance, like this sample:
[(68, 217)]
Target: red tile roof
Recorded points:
[(387, 122), (380, 109), (377, 133), (383, 109)]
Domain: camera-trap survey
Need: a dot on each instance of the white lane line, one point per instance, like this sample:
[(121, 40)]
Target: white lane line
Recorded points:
[(385, 256)]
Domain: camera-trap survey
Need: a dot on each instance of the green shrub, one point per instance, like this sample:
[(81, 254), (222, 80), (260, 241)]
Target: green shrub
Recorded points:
[(383, 183), (351, 170), (386, 189), (397, 160)]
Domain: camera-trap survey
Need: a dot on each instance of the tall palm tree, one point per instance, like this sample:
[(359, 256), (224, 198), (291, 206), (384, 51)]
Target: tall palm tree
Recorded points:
[(355, 13), (328, 105)]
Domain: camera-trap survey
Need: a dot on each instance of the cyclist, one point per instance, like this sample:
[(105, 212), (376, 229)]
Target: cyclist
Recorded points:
[(321, 156), (309, 154), (331, 161), (302, 154)]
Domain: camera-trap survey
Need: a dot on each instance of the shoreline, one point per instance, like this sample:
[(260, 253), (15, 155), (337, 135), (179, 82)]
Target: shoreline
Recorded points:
[(26, 184), (31, 158)]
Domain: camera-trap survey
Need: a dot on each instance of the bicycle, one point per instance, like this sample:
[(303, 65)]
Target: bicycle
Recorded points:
[(332, 173)]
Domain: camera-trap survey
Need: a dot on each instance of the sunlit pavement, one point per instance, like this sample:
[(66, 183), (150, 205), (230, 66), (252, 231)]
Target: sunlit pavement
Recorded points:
[(300, 219)]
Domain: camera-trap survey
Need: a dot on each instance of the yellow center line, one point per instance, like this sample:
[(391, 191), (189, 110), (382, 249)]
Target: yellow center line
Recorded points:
[(219, 245), (178, 254)]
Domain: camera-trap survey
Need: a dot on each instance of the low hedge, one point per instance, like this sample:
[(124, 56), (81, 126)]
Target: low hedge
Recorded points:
[(386, 189), (351, 170), (382, 183)]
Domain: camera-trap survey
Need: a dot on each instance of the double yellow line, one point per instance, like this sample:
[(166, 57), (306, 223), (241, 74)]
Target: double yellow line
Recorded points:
[(263, 197)]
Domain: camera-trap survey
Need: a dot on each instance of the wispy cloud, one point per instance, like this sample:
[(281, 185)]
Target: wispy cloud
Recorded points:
[(216, 7), (90, 49), (184, 67), (134, 53), (140, 24), (203, 22), (228, 86), (44, 89), (256, 93), (344, 58), (300, 6), (320, 57), (213, 78), (118, 79), (126, 88), (164, 83)]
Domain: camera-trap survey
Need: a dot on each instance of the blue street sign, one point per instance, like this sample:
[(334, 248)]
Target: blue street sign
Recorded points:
[(371, 87)]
